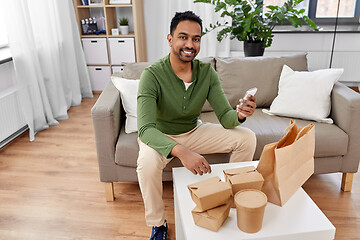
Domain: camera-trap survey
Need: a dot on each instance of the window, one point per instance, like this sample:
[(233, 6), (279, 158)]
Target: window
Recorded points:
[(324, 11), (3, 34)]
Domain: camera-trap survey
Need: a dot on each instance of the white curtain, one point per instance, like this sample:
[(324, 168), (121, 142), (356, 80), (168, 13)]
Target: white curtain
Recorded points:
[(158, 15), (49, 62)]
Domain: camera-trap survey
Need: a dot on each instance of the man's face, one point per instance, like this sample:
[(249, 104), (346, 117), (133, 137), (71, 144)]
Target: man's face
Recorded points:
[(185, 40)]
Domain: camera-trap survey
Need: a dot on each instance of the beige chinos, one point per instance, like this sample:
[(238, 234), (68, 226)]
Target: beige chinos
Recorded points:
[(206, 138)]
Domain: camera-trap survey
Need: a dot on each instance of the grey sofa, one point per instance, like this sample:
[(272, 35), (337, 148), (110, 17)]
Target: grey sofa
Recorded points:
[(337, 145)]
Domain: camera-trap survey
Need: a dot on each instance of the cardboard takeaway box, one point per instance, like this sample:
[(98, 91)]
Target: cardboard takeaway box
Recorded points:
[(210, 193), (243, 178), (211, 219)]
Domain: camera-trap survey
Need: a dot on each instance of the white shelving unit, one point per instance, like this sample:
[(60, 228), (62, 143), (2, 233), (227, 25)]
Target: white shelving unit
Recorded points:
[(105, 53)]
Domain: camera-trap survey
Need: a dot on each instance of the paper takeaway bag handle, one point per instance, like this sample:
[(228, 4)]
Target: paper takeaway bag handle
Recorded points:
[(265, 167), (289, 136), (288, 163)]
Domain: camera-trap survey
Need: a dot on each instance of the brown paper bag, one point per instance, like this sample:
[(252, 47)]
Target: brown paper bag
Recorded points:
[(288, 163)]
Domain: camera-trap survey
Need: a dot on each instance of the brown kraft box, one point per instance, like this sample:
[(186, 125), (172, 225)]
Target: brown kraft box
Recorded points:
[(211, 219), (210, 193), (243, 178)]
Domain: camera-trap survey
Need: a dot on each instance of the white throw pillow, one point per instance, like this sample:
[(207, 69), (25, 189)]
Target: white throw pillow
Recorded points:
[(305, 95), (128, 92)]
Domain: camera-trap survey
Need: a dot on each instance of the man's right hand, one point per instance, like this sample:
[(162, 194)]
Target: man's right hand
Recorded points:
[(194, 162)]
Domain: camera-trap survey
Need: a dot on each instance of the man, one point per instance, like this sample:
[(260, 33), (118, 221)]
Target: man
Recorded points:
[(171, 95)]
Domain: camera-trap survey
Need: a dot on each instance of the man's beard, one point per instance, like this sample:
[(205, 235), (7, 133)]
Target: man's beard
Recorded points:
[(185, 59)]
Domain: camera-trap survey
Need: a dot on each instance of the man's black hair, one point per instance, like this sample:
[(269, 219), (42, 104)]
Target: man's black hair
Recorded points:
[(182, 16)]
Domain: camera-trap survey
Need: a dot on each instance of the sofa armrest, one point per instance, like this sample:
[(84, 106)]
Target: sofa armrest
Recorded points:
[(346, 115), (106, 116)]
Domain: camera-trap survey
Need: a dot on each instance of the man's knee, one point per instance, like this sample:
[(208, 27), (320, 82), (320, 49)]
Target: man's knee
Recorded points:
[(247, 138), (250, 137), (149, 161)]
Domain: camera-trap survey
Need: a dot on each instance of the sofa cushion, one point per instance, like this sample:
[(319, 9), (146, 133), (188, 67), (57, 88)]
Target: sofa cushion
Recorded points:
[(128, 90), (240, 74), (134, 70), (127, 149), (305, 95), (330, 140)]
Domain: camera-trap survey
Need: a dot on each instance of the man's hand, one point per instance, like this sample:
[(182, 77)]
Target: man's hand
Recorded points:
[(248, 107), (194, 162)]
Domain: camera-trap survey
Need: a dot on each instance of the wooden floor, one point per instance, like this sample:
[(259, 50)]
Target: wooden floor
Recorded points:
[(50, 189)]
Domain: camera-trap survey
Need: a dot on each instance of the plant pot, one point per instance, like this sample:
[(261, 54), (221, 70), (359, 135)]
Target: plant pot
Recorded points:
[(253, 49), (124, 30)]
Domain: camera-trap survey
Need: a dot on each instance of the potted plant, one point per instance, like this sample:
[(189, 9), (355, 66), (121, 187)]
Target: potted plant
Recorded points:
[(124, 26), (251, 26)]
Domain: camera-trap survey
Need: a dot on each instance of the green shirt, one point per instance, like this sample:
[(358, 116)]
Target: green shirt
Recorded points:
[(165, 107)]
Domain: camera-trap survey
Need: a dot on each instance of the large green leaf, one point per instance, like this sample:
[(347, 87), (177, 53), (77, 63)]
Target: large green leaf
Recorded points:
[(219, 6)]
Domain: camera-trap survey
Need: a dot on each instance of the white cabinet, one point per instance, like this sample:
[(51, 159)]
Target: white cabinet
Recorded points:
[(99, 76), (116, 69), (95, 50), (106, 50), (121, 50)]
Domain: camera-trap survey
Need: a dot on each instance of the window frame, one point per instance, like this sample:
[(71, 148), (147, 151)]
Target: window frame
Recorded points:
[(331, 21)]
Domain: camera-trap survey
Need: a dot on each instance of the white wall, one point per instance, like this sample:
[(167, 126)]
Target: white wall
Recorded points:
[(7, 77)]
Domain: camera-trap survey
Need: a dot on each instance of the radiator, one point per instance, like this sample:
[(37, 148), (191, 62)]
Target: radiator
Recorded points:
[(11, 118), (350, 61)]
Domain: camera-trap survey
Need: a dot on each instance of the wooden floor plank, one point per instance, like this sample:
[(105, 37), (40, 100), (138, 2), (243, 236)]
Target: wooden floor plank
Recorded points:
[(50, 189)]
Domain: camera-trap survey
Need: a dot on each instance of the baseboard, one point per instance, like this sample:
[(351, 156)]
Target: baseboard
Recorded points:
[(13, 136)]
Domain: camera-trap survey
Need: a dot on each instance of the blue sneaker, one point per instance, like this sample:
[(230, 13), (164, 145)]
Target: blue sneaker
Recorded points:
[(159, 233)]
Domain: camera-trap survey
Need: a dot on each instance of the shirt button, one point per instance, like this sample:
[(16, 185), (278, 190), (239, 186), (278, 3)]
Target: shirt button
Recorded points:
[(184, 107), (184, 97)]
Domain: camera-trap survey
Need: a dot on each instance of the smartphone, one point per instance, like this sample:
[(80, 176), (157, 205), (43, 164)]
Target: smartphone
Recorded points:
[(251, 91)]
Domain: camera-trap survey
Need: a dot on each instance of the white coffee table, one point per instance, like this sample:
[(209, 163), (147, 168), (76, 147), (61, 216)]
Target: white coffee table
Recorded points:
[(298, 219)]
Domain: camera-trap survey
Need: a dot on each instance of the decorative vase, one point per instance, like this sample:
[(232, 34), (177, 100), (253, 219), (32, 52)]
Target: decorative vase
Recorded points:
[(124, 30), (253, 49)]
